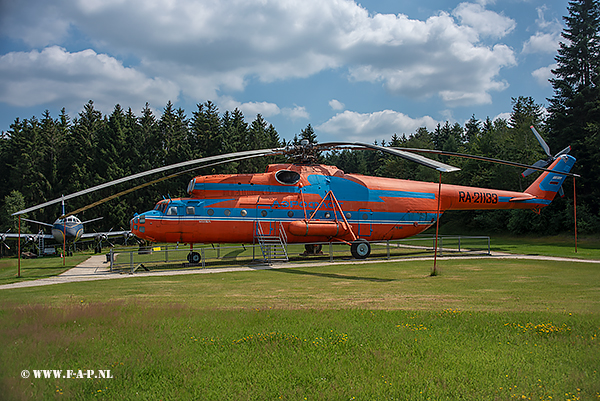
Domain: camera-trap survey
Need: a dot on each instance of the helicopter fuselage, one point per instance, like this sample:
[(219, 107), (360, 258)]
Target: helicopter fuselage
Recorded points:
[(314, 203)]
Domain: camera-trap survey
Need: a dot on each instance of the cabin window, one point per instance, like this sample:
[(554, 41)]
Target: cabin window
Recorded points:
[(172, 211), (365, 216), (263, 213), (290, 214), (243, 213), (348, 215), (287, 177), (190, 210), (210, 212), (327, 215), (227, 212)]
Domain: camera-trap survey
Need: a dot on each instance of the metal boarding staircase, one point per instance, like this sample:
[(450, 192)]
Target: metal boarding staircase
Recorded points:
[(273, 247)]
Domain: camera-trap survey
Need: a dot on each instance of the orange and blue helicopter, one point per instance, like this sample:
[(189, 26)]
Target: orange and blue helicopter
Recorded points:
[(307, 202)]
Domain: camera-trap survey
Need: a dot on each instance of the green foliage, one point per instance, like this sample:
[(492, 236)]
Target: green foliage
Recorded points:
[(13, 202), (43, 159), (575, 107)]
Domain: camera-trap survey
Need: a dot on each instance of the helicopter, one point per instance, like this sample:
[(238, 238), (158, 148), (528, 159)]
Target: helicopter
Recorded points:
[(303, 201)]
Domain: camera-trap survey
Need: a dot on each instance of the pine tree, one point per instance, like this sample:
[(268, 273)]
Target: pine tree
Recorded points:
[(575, 107), (309, 134)]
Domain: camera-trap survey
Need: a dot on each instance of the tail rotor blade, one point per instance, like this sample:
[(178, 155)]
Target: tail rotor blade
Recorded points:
[(563, 152), (541, 141), (539, 163)]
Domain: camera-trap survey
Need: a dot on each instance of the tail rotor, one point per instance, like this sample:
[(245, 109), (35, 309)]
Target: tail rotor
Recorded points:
[(545, 163)]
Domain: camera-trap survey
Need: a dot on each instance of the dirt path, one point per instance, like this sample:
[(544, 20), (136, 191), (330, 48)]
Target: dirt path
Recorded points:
[(96, 268)]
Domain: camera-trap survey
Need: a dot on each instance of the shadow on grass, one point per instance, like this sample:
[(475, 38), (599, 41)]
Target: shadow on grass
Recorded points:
[(233, 254), (333, 275)]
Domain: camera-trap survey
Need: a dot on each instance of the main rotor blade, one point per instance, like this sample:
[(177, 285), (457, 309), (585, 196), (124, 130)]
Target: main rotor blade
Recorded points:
[(439, 166), (255, 153), (541, 141), (37, 222), (486, 159), (88, 221), (146, 184)]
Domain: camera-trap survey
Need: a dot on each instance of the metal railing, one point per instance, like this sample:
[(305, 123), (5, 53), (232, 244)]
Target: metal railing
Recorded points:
[(170, 255)]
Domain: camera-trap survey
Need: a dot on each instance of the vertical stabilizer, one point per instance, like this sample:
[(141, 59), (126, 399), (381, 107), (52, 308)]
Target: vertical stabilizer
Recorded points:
[(548, 184)]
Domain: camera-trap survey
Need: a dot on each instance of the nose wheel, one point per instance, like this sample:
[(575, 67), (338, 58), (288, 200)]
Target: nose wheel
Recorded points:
[(194, 257), (360, 249)]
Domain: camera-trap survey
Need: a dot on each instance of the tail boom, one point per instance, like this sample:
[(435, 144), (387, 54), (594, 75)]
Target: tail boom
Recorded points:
[(538, 195)]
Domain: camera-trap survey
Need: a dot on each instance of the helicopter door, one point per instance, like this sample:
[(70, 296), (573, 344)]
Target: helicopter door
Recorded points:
[(365, 225), (172, 223)]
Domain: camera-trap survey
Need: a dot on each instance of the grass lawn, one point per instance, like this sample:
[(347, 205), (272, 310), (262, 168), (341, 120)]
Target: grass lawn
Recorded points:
[(33, 269), (485, 329), (588, 247)]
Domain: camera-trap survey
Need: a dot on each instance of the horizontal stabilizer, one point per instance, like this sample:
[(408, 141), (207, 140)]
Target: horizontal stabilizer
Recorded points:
[(522, 198)]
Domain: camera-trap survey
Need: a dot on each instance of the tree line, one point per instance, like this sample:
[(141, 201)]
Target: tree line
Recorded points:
[(41, 159)]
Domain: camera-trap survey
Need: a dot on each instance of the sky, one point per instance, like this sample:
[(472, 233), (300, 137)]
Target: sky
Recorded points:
[(354, 71)]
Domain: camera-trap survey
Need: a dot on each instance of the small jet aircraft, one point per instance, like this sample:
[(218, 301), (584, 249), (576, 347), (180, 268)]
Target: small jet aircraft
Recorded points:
[(307, 202)]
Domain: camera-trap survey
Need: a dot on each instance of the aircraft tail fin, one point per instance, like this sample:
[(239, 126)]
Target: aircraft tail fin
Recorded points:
[(548, 184)]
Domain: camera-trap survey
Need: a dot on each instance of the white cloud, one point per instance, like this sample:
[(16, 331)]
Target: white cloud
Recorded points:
[(544, 74), (296, 113), (484, 22), (442, 61), (250, 109), (202, 48), (369, 127), (336, 104), (55, 76), (547, 37), (542, 43), (37, 25), (504, 116)]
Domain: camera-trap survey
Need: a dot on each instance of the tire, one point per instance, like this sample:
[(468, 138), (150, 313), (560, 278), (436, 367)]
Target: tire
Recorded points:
[(361, 249), (313, 249), (194, 257)]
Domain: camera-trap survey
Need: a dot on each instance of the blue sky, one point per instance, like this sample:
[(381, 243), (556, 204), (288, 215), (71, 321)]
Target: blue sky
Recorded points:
[(355, 71)]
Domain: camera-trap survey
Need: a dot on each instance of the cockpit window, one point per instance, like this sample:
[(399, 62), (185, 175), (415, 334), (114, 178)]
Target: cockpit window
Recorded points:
[(161, 206), (172, 211), (287, 177)]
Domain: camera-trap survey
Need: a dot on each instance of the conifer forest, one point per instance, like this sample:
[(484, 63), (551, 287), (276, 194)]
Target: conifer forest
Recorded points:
[(46, 156)]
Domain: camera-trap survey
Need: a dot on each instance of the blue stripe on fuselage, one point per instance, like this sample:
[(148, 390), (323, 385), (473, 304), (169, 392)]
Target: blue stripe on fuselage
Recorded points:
[(343, 189)]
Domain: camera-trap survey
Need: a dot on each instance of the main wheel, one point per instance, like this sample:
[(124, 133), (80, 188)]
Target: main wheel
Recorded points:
[(360, 249), (313, 249), (193, 257)]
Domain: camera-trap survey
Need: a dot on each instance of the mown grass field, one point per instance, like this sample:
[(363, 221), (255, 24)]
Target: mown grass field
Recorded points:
[(484, 329)]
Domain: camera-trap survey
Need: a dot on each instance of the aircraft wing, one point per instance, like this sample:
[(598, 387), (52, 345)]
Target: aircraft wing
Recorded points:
[(105, 234), (26, 235)]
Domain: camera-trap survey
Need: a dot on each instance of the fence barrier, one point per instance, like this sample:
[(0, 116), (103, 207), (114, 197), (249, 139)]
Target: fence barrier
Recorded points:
[(169, 255)]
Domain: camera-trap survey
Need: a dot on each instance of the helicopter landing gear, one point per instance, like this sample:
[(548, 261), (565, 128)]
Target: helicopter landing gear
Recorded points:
[(312, 249), (193, 257), (360, 249)]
